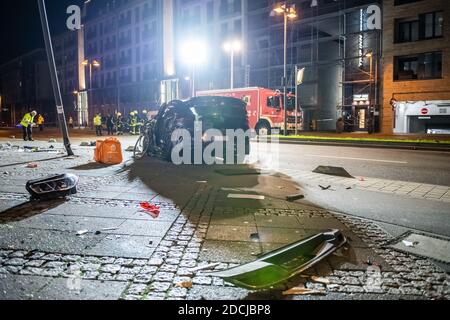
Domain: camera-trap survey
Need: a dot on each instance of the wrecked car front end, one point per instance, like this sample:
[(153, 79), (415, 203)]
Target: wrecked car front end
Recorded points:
[(201, 122), (281, 265)]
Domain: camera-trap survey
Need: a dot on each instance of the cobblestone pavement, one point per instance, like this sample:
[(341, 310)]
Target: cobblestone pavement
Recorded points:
[(400, 188), (127, 255)]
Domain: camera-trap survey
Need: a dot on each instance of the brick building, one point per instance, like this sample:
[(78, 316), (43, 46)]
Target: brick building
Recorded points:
[(416, 66)]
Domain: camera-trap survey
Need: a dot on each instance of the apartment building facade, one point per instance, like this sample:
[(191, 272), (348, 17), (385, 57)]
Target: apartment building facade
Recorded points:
[(416, 66), (68, 48), (330, 39), (24, 85), (125, 37), (139, 43)]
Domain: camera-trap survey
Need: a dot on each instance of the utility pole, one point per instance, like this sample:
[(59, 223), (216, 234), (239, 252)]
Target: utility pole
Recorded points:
[(289, 12), (232, 47), (232, 69), (90, 65), (54, 78), (296, 100), (285, 75), (193, 81)]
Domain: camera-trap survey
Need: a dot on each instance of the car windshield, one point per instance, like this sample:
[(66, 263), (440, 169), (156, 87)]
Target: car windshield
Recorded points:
[(220, 112), (214, 104)]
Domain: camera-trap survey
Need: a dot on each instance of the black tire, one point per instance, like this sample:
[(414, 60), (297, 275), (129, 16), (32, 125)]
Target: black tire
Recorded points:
[(170, 145), (264, 128)]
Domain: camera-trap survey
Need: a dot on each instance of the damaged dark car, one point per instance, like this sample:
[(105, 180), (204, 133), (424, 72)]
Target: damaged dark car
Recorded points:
[(189, 129)]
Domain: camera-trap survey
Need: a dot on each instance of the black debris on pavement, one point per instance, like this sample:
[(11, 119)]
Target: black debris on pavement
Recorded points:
[(295, 197), (254, 237)]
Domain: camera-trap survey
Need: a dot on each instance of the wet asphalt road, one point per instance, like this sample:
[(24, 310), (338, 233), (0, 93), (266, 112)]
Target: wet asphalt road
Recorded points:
[(396, 214), (404, 165)]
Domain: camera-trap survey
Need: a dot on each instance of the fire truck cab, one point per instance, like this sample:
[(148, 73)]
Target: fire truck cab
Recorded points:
[(264, 108)]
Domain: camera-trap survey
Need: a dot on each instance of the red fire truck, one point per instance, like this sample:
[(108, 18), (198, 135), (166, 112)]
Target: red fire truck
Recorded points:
[(264, 107)]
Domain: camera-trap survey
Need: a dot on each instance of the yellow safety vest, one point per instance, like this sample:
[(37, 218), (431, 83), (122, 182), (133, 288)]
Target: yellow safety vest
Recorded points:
[(27, 120), (97, 121)]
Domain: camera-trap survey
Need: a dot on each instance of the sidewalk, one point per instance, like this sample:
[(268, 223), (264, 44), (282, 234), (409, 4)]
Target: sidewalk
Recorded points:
[(376, 137), (414, 142), (400, 188), (128, 255)]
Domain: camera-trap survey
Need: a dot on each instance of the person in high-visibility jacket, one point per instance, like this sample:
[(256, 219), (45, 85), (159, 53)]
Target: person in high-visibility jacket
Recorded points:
[(134, 123), (98, 125), (40, 122), (120, 124), (27, 125)]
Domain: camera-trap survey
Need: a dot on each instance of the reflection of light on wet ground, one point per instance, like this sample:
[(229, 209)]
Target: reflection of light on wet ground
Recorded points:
[(265, 155)]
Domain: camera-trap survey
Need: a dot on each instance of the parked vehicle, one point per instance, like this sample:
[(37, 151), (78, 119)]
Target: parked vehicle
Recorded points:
[(220, 113), (264, 108)]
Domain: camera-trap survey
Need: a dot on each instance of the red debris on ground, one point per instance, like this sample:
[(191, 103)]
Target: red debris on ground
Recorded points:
[(151, 209)]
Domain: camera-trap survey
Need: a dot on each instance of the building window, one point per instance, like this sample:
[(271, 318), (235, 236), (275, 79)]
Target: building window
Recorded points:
[(224, 30), (422, 66), (210, 12), (431, 25), (428, 26), (407, 31), (237, 6), (400, 2), (229, 7), (137, 15), (238, 28)]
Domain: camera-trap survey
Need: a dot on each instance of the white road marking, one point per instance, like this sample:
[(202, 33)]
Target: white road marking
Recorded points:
[(246, 196), (358, 159)]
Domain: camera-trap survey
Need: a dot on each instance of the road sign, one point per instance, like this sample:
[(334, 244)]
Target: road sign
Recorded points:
[(300, 74), (424, 111)]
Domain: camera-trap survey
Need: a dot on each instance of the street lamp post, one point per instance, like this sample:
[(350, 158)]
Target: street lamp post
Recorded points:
[(193, 81), (232, 47), (54, 77), (91, 64), (370, 56), (78, 108), (289, 12), (371, 78)]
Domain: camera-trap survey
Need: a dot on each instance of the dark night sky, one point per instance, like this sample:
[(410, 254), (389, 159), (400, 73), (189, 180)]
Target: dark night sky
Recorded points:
[(21, 29)]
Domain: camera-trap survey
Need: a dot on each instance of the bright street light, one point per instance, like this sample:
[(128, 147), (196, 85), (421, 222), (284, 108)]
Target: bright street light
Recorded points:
[(96, 64), (289, 10), (93, 63), (232, 47), (194, 53)]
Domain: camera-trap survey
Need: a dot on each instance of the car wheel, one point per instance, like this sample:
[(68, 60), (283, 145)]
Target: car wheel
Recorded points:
[(264, 129)]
